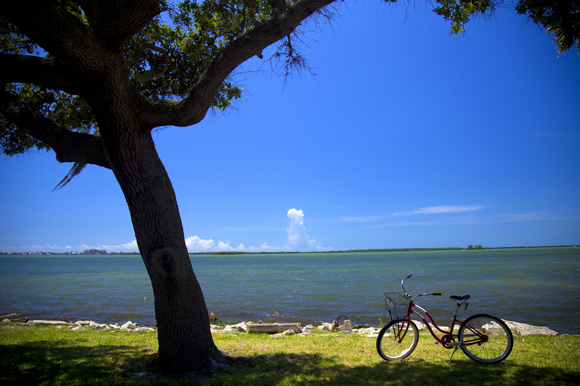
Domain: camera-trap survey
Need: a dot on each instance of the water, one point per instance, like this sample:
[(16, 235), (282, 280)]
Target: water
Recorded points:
[(539, 286)]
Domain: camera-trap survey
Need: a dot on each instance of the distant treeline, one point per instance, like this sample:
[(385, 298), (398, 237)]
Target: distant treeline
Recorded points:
[(381, 250), (477, 247)]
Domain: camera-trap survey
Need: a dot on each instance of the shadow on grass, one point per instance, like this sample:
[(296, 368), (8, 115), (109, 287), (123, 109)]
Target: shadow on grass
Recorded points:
[(60, 363), (323, 369)]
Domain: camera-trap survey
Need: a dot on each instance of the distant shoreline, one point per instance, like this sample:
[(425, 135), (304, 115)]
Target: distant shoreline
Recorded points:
[(278, 253)]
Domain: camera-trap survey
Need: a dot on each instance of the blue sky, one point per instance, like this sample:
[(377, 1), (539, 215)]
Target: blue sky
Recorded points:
[(407, 137)]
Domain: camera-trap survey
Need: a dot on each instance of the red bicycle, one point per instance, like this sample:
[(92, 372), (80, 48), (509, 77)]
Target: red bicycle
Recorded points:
[(483, 338)]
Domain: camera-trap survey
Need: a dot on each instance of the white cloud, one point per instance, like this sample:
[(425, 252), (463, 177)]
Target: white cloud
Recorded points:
[(296, 230), (195, 244), (298, 240), (127, 247), (297, 236), (227, 247), (266, 248), (440, 210), (427, 210)]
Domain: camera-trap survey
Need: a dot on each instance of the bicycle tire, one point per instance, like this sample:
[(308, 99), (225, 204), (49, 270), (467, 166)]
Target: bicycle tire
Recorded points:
[(389, 347), (498, 339)]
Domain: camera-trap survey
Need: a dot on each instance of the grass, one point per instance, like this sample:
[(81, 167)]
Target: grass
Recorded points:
[(46, 355)]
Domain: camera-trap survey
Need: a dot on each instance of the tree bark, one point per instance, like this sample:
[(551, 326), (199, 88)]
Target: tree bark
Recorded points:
[(185, 341)]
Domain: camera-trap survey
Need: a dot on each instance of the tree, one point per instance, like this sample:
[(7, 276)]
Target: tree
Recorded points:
[(91, 79), (561, 18)]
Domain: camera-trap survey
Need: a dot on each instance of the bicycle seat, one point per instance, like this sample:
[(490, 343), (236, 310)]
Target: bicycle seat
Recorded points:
[(460, 298)]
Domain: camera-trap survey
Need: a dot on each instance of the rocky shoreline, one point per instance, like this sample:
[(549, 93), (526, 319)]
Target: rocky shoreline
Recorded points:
[(279, 329), (78, 325)]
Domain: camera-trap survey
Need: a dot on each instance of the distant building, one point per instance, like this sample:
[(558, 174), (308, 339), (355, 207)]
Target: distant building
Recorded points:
[(95, 252)]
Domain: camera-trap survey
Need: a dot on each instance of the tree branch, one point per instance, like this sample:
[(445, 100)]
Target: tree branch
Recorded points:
[(192, 109), (68, 146), (50, 25), (45, 72), (117, 21)]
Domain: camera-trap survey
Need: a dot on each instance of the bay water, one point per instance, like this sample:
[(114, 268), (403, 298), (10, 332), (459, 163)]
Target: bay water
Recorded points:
[(538, 286)]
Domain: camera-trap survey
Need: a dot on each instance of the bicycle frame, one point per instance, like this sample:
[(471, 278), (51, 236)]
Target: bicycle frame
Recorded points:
[(447, 339)]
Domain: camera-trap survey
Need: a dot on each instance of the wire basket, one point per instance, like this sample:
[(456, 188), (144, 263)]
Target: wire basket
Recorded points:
[(396, 304)]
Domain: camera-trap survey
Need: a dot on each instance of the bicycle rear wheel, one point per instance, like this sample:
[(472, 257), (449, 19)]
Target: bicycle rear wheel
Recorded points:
[(397, 340), (485, 338)]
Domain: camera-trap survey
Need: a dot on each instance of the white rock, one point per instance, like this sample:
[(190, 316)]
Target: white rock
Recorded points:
[(129, 326), (240, 327), (310, 327), (325, 327), (420, 325), (346, 327), (370, 330), (288, 332), (527, 329)]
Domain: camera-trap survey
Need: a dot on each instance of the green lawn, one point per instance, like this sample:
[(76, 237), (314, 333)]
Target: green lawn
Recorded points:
[(46, 355)]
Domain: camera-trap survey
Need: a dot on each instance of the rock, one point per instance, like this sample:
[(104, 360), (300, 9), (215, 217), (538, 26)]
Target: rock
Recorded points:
[(52, 322), (527, 329), (308, 328), (6, 321), (420, 325), (369, 330), (325, 327), (11, 315), (93, 324), (14, 318), (273, 327), (289, 332), (129, 326), (240, 327), (144, 329), (345, 327)]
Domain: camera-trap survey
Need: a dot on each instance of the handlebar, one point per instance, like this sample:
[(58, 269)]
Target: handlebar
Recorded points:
[(423, 294)]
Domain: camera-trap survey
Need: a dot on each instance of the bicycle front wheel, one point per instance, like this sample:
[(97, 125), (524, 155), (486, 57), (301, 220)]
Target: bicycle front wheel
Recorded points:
[(485, 338), (397, 340)]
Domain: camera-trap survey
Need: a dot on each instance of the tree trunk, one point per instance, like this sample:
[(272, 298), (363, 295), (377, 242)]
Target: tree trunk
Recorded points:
[(185, 341)]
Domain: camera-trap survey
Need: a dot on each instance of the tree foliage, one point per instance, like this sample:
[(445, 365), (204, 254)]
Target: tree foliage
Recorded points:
[(560, 18), (167, 57)]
